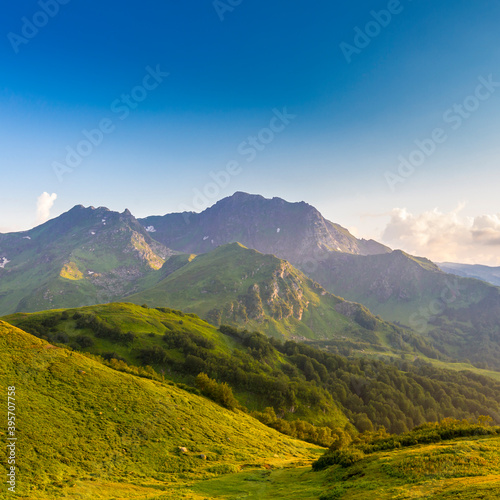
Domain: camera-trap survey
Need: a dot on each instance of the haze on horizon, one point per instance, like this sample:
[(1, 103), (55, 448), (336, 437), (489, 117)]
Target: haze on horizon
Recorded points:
[(381, 114)]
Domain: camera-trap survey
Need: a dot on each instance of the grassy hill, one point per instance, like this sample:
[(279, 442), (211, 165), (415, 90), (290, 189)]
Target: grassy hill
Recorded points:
[(180, 346), (302, 384), (88, 431), (242, 287), (449, 460), (85, 256), (461, 468)]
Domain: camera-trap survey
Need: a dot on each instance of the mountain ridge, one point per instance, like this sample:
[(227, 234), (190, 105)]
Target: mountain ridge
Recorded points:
[(490, 274), (93, 255), (239, 286), (296, 232), (86, 255)]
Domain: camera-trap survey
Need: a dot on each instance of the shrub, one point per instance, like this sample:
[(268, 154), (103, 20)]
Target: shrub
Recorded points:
[(61, 338), (84, 341), (333, 494), (155, 354), (163, 309), (365, 319), (448, 428), (50, 322), (194, 364), (108, 356), (229, 330), (220, 393), (344, 458)]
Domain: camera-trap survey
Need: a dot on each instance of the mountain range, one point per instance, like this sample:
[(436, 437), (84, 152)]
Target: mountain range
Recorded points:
[(260, 263), (153, 401), (484, 273)]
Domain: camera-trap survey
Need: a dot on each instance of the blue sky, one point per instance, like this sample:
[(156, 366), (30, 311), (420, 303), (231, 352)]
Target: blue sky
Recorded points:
[(410, 63)]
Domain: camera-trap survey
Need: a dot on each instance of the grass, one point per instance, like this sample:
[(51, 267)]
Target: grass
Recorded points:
[(298, 483), (297, 381), (88, 431), (464, 468), (83, 427), (149, 326), (239, 286)]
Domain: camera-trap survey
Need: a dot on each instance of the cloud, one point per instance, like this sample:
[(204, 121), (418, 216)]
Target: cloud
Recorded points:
[(446, 237), (43, 205)]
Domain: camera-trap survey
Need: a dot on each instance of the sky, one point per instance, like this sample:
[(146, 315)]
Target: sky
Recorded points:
[(382, 114)]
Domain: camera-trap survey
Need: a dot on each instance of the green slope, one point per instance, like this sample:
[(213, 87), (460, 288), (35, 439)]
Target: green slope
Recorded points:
[(238, 286), (464, 469), (87, 431), (85, 256), (304, 385), (180, 346), (460, 317), (449, 460)]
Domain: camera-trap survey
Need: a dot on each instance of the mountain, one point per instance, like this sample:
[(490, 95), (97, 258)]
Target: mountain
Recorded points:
[(85, 256), (460, 316), (243, 287), (485, 273), (89, 256), (296, 232), (392, 284), (86, 430)]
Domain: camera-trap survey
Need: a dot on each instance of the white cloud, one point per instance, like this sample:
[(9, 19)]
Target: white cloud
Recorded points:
[(43, 205), (446, 237)]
